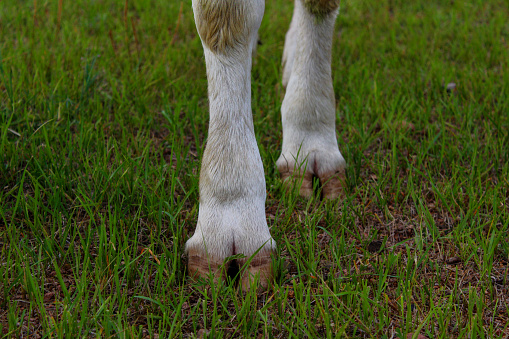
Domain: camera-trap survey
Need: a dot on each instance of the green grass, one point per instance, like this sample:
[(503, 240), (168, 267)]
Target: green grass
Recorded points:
[(103, 122)]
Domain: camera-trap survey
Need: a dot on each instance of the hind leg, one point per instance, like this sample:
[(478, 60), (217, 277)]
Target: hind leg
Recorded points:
[(310, 147), (231, 218)]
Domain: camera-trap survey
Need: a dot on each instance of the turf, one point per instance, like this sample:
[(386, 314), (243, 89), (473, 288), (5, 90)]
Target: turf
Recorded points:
[(103, 122)]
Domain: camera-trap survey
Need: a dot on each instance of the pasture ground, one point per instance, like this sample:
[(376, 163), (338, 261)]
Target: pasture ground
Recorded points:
[(103, 121)]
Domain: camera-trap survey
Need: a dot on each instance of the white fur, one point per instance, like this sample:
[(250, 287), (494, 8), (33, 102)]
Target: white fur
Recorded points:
[(289, 49), (231, 217), (308, 110)]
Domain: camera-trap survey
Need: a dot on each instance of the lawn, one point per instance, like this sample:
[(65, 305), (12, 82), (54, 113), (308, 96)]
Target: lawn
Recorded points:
[(103, 122)]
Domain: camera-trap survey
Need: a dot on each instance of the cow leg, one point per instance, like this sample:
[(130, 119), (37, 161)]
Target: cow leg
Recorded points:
[(310, 148), (231, 218), (289, 49)]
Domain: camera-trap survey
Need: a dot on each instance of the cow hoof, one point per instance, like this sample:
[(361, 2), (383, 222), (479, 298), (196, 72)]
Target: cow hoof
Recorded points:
[(332, 184), (329, 170), (203, 266), (258, 272), (255, 272)]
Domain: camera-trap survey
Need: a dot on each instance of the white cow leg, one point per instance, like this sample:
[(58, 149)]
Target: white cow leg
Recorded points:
[(289, 49), (310, 148), (231, 217)]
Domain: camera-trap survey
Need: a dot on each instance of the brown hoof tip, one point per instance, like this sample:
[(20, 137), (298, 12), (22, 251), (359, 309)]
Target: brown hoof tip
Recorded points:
[(332, 184), (293, 179), (257, 274), (204, 267)]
